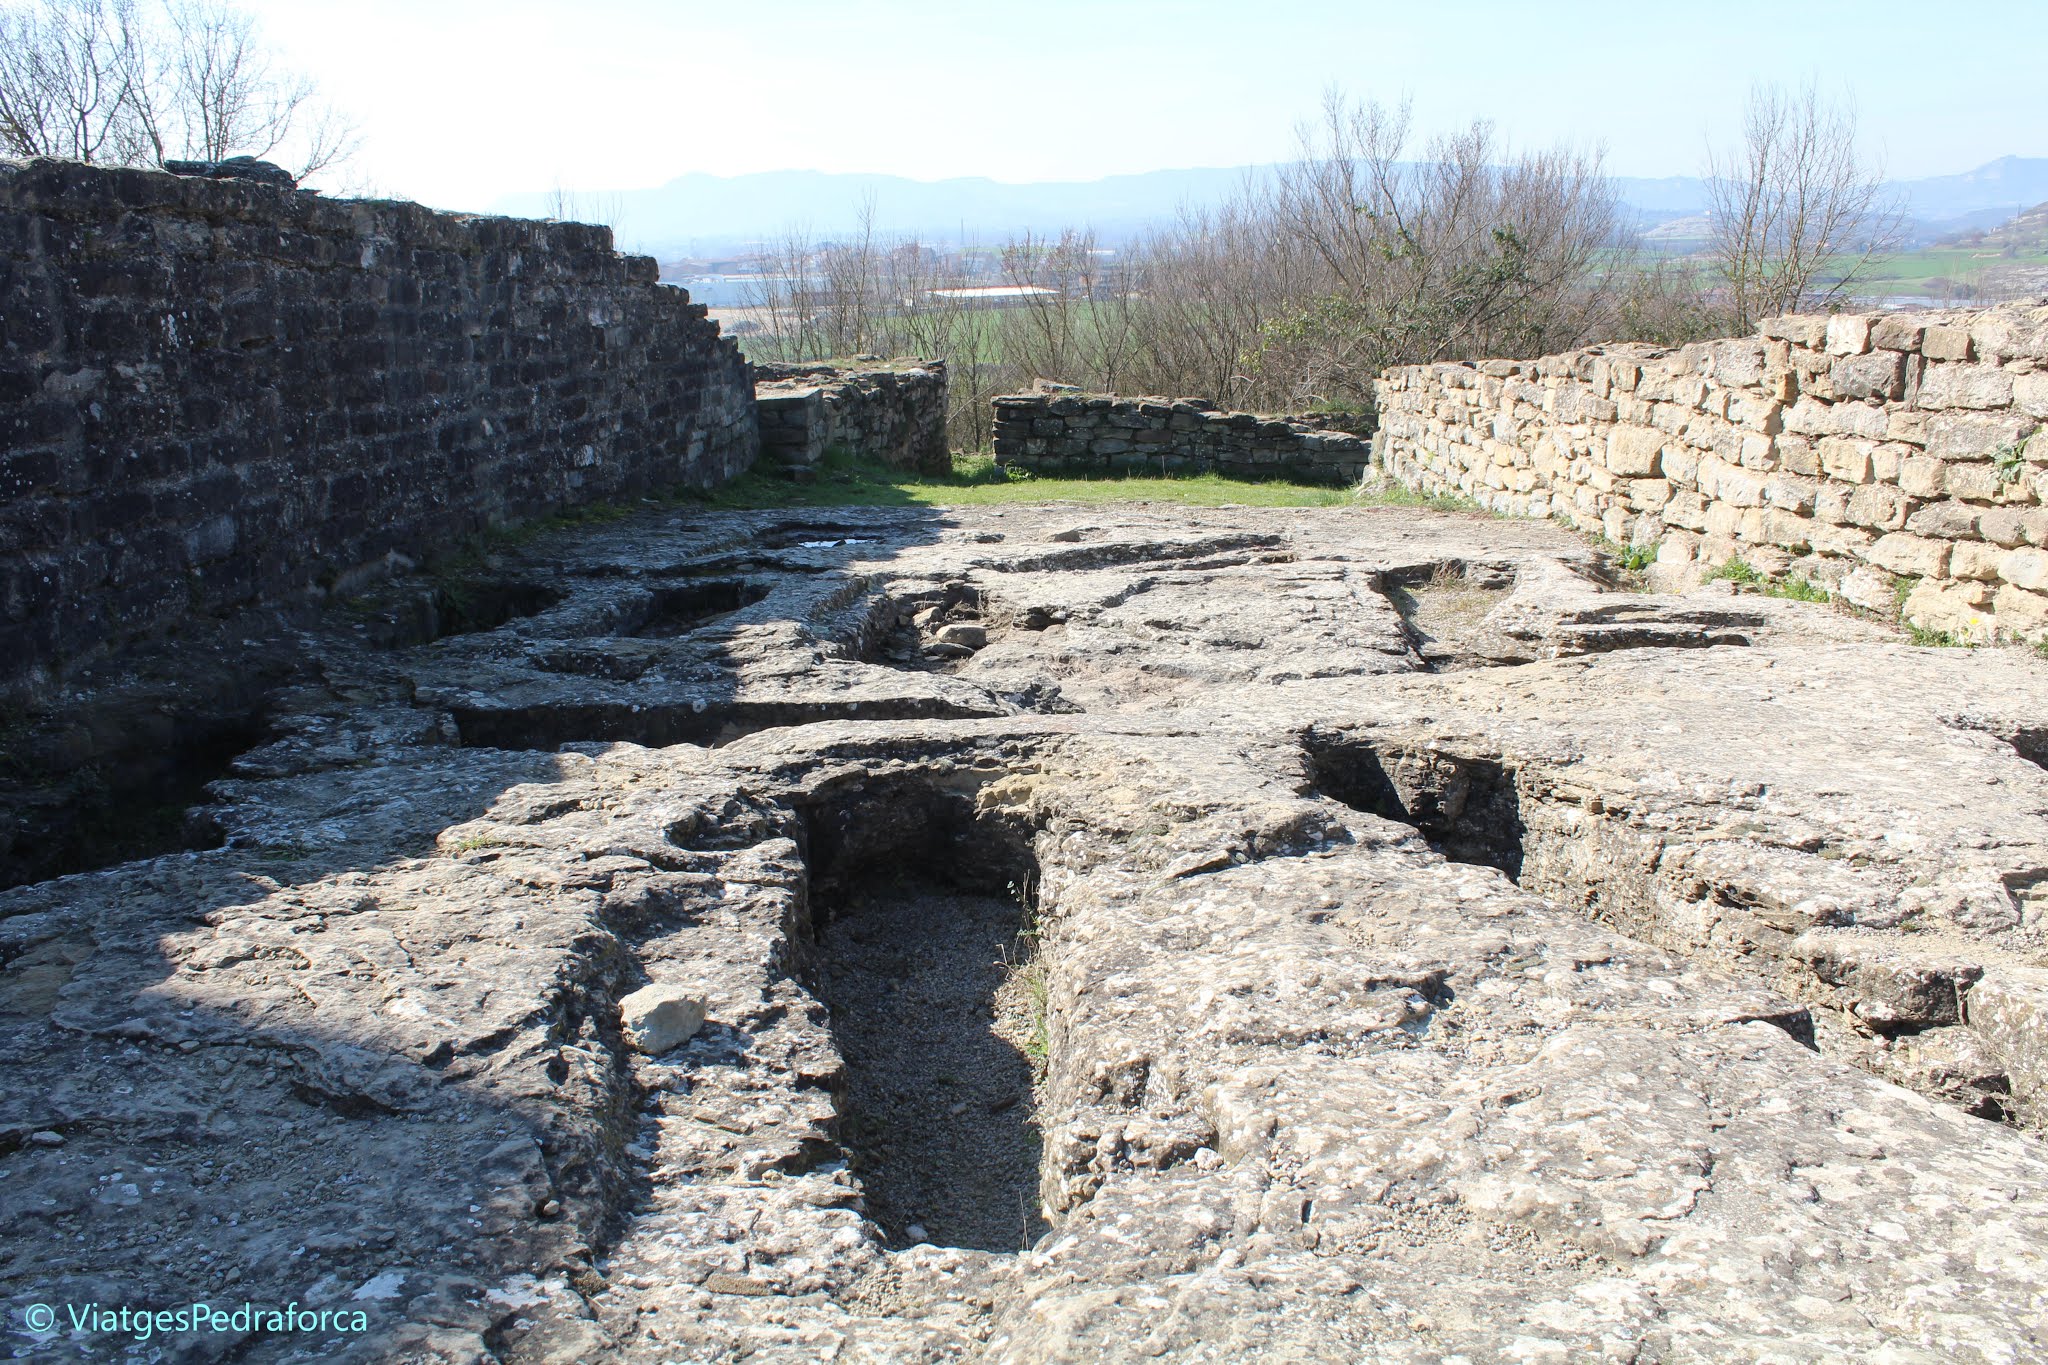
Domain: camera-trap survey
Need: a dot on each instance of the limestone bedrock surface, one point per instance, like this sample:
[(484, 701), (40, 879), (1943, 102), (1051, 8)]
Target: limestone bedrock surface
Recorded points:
[(1121, 934)]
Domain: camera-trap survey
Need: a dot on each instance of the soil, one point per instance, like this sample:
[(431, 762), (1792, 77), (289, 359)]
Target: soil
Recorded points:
[(931, 1008)]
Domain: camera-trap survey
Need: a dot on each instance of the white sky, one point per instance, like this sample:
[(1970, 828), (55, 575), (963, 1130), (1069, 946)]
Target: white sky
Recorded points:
[(460, 101)]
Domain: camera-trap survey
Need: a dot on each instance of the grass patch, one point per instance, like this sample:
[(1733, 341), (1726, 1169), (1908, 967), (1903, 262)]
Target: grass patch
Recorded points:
[(977, 480), (1797, 590), (1736, 571), (1634, 558), (1038, 1040), (1745, 574), (1936, 639), (1400, 495)]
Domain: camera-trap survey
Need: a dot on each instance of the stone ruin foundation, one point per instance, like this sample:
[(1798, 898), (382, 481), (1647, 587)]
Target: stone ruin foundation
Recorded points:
[(1010, 934), (1342, 934)]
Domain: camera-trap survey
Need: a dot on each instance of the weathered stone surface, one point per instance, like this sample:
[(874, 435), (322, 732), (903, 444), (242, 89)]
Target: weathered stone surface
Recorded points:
[(1441, 952), (657, 1018)]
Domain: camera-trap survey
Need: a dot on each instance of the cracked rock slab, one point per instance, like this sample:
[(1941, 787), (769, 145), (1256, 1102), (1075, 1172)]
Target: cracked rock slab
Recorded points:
[(1395, 939)]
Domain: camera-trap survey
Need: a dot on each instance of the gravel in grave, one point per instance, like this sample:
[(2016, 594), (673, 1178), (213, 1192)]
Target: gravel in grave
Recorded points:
[(931, 1006)]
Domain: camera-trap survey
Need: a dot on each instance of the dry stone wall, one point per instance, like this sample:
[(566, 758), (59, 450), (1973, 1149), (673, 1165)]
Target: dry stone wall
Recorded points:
[(1172, 435), (214, 392), (1872, 454), (893, 412)]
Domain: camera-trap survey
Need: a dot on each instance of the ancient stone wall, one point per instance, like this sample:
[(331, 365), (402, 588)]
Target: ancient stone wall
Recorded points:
[(1172, 435), (215, 393), (894, 412), (1874, 455)]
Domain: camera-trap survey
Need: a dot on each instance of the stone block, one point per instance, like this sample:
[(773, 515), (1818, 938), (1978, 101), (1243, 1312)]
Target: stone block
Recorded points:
[(1810, 417), (1723, 519), (1879, 506), (2021, 614), (1792, 493), (1905, 553), (1848, 334), (658, 1018), (1898, 332), (1831, 502), (2008, 1007), (1981, 481), (1801, 329), (1957, 609), (2001, 525), (1949, 520), (1946, 343), (1965, 386), (1974, 559), (2025, 568), (2030, 394), (1846, 459), (1796, 455), (1648, 495), (1869, 589), (1879, 374), (1923, 476), (1635, 451), (1975, 435), (1788, 529)]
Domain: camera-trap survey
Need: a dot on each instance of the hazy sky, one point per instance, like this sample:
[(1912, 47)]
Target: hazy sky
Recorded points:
[(460, 101)]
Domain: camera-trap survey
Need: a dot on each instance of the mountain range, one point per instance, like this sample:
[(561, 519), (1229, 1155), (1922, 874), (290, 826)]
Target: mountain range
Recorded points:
[(699, 214)]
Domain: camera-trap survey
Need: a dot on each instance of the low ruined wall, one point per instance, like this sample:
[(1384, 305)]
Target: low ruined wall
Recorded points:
[(1171, 435), (1870, 454), (214, 393), (895, 413)]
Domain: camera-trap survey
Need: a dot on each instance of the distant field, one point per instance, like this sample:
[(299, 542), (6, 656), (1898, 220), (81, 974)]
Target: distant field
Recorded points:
[(1962, 274)]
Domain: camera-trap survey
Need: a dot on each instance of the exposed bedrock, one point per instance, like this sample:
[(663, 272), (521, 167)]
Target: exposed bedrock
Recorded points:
[(1119, 934)]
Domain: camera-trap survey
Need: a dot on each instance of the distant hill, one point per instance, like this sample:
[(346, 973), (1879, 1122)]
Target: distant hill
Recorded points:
[(2025, 232), (1984, 197), (701, 214)]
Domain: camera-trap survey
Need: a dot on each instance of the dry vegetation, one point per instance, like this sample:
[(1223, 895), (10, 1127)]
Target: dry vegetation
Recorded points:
[(127, 83), (1369, 249)]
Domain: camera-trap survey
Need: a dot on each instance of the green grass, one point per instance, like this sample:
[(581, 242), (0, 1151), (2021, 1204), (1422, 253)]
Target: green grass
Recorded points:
[(1936, 639), (1398, 495), (1745, 574), (1736, 571), (976, 480), (1797, 590), (1634, 558), (1935, 269)]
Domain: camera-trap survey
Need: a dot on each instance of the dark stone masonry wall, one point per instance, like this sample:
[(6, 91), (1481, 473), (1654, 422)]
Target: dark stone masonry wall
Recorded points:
[(1173, 435), (214, 393), (892, 411)]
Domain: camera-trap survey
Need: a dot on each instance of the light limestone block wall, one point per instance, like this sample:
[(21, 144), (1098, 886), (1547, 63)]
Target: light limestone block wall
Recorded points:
[(1878, 456)]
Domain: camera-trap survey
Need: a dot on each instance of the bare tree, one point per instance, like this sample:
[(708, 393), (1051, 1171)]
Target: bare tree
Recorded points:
[(1468, 250), (67, 69), (114, 81), (1662, 299), (1295, 292), (1798, 215)]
